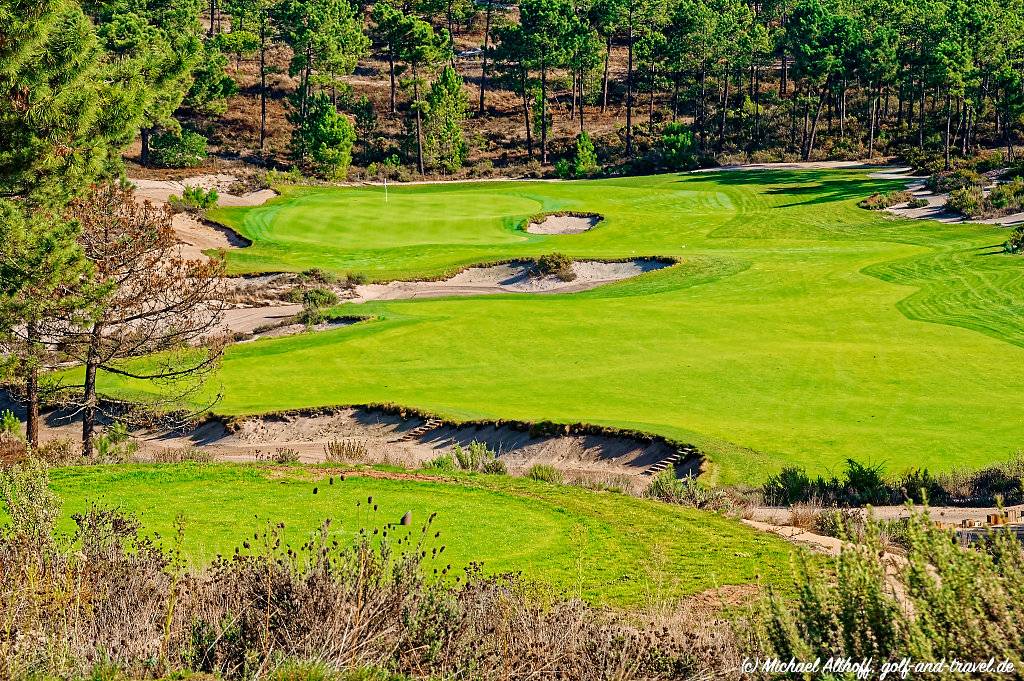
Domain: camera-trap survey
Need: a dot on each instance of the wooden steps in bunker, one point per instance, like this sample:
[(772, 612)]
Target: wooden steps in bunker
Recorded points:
[(422, 429), (671, 460)]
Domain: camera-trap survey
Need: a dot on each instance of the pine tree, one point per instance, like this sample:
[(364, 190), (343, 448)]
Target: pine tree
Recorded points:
[(444, 145)]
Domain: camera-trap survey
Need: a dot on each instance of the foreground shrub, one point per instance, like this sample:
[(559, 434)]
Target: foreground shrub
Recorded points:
[(943, 601), (107, 603), (1015, 244), (170, 150)]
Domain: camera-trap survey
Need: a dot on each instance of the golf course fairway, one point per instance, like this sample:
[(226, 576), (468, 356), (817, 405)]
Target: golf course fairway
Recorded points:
[(796, 328), (602, 546)]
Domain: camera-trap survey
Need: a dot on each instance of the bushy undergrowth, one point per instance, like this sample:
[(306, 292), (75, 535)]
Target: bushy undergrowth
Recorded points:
[(688, 491), (106, 600), (946, 181), (861, 484), (172, 150), (1004, 199), (194, 200), (886, 200), (556, 264), (476, 457), (545, 473), (942, 601)]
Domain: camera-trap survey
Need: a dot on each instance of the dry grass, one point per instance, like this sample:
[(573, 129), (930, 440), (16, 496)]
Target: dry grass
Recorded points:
[(346, 451)]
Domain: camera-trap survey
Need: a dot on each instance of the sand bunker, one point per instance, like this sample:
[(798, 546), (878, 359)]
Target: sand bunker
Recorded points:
[(516, 277), (564, 224)]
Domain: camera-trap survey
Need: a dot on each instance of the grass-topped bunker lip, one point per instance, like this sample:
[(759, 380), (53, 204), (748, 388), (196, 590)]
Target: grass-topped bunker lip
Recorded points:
[(562, 222)]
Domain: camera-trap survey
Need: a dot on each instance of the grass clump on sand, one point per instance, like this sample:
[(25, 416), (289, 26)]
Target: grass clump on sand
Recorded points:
[(797, 329), (627, 547)]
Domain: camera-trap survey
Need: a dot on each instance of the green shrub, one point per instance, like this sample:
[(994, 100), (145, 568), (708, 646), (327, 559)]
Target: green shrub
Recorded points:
[(556, 264), (942, 601), (10, 425), (170, 150), (356, 279), (1008, 197), (917, 203), (477, 457), (115, 444), (970, 201), (1015, 244), (443, 462), (886, 200), (194, 200), (677, 149), (686, 491), (318, 298), (545, 473), (952, 180), (322, 141)]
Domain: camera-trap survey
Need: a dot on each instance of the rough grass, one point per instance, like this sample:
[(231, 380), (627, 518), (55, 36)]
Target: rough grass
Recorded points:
[(606, 547), (793, 331)]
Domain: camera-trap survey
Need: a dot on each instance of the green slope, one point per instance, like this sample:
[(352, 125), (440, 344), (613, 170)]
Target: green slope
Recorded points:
[(602, 546)]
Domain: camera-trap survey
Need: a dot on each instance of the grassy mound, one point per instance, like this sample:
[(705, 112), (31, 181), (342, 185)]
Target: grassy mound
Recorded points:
[(605, 547), (791, 333)]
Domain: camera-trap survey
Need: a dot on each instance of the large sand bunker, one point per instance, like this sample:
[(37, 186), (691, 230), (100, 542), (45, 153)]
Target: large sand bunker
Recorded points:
[(514, 277), (565, 223)]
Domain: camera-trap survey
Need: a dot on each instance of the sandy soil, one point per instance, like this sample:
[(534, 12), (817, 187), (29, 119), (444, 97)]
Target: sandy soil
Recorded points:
[(508, 278), (936, 208), (563, 224), (389, 438), (946, 514)]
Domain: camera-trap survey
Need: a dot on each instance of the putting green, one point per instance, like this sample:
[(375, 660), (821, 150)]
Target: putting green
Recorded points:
[(797, 328), (602, 546)]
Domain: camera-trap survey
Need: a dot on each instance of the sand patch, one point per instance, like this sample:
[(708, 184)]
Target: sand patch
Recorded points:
[(564, 224), (515, 277)]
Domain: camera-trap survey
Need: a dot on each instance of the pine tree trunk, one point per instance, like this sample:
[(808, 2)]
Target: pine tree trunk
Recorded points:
[(144, 156), (419, 122), (32, 387), (526, 112), (89, 394), (725, 110), (483, 67), (604, 80), (654, 77), (543, 112), (391, 72), (949, 125), (814, 127), (629, 88), (582, 126), (263, 80)]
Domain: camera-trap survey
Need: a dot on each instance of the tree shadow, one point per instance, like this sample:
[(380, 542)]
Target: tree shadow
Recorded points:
[(819, 186)]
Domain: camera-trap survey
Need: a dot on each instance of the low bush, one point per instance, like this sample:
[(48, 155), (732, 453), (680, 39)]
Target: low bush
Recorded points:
[(115, 445), (10, 425), (862, 484), (944, 601), (183, 455), (285, 455), (194, 200), (477, 457), (970, 201), (687, 491), (1015, 244), (555, 264), (170, 150), (319, 297), (917, 203), (545, 473), (951, 180), (345, 451), (445, 463), (886, 200), (1008, 197)]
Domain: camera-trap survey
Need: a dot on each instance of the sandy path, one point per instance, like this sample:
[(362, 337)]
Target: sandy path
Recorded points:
[(508, 278)]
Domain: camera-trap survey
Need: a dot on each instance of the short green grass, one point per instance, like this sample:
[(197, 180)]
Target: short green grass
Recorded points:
[(797, 328), (603, 546)]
